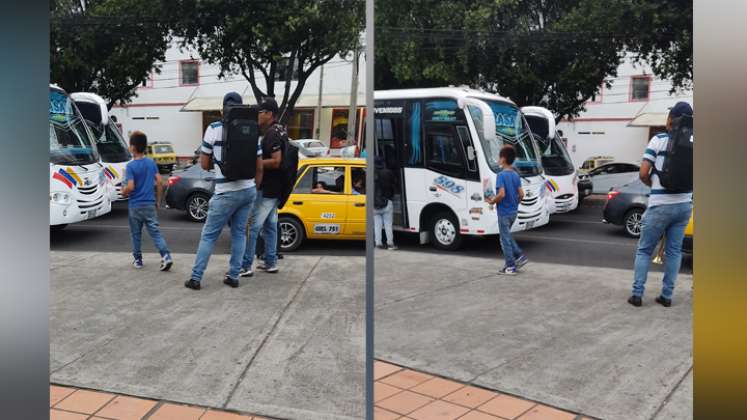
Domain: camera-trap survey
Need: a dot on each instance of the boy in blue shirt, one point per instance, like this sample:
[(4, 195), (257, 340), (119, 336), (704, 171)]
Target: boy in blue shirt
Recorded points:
[(140, 175), (508, 196)]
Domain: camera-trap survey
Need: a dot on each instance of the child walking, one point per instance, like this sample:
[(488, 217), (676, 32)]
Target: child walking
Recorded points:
[(140, 175), (508, 196)]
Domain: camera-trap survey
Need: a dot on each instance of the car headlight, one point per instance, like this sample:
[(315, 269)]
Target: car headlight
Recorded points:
[(60, 198)]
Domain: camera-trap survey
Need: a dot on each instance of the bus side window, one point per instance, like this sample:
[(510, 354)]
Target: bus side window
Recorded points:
[(443, 151)]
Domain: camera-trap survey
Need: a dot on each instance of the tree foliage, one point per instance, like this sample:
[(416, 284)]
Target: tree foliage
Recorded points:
[(259, 39), (554, 53), (108, 47)]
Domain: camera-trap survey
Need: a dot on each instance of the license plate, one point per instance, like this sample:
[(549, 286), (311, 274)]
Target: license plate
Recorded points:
[(327, 228), (530, 224), (92, 213)]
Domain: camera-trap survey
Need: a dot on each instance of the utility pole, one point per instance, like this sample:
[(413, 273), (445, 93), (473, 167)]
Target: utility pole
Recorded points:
[(353, 110), (319, 104)]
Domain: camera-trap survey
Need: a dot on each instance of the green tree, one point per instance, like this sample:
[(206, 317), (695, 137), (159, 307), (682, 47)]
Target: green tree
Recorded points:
[(108, 47), (271, 43), (554, 53)]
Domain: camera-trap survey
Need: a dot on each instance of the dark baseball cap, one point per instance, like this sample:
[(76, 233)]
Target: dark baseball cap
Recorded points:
[(679, 109), (232, 98), (269, 104)]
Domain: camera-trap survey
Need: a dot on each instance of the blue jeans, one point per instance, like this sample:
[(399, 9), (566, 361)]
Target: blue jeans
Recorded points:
[(383, 219), (233, 207), (670, 220), (511, 250), (147, 216), (264, 218)]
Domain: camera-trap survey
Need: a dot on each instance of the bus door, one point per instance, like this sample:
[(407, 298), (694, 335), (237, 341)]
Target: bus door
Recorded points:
[(389, 133)]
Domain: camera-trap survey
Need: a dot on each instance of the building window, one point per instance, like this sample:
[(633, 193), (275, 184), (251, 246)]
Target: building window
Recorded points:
[(189, 73), (640, 88), (301, 124)]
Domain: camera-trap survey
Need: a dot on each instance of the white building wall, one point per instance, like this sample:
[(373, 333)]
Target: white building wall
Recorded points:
[(156, 110), (603, 128)]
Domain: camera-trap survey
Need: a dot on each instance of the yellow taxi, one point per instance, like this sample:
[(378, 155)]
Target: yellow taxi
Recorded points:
[(163, 154), (687, 244), (327, 202)]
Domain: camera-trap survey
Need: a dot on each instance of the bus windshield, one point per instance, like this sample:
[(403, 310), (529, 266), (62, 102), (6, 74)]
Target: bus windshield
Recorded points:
[(510, 128), (555, 158), (69, 140), (110, 143)]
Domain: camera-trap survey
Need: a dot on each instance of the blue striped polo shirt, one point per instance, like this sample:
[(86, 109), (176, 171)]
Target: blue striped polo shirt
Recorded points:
[(656, 153), (211, 145)]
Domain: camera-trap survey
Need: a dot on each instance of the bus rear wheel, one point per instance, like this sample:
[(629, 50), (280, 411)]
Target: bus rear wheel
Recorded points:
[(444, 232)]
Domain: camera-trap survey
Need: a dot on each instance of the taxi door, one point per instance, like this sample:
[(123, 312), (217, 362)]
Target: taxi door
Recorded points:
[(322, 213), (356, 202)]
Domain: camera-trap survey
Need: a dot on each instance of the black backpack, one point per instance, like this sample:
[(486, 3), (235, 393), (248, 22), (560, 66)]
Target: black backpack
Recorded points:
[(239, 143), (677, 171), (288, 167), (379, 200)]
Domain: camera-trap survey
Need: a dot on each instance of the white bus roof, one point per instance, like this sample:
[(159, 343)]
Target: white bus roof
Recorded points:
[(453, 92)]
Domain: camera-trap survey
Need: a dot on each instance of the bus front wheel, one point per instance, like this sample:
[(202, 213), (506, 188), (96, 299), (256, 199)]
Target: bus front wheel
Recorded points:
[(444, 232)]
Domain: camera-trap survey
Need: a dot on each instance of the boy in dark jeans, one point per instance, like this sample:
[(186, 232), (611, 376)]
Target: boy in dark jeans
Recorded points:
[(140, 175), (508, 196)]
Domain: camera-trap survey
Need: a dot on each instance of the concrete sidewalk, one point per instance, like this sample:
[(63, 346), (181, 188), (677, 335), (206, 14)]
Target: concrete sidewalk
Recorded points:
[(287, 345), (558, 334)]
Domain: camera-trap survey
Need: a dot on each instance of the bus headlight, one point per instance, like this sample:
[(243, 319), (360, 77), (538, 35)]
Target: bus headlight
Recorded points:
[(60, 198)]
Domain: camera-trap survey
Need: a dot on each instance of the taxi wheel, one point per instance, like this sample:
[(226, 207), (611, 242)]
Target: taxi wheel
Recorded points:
[(444, 232), (291, 234)]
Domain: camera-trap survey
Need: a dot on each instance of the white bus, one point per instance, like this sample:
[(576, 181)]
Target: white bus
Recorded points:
[(110, 144), (443, 143), (560, 174), (78, 188)]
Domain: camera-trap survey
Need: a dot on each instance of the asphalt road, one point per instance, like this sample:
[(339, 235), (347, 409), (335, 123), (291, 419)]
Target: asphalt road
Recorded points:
[(576, 238)]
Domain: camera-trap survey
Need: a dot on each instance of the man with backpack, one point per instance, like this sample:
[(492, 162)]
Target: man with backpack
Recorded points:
[(384, 183), (237, 160), (667, 169), (265, 214)]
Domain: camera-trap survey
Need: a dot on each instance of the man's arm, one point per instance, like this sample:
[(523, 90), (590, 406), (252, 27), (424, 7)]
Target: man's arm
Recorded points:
[(274, 161), (128, 188), (159, 190), (645, 172), (206, 161), (521, 194), (498, 197), (259, 172)]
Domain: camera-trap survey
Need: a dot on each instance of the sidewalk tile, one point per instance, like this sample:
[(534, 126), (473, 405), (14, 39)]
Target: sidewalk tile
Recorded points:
[(506, 406), (470, 396), (381, 414), (383, 391), (542, 412), (437, 387), (382, 369), (476, 415), (222, 415), (58, 393), (83, 401), (126, 408), (177, 412), (438, 410), (64, 415), (404, 403), (406, 379)]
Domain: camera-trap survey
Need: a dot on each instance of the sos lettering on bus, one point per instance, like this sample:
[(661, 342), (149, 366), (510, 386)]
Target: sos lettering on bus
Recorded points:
[(448, 185)]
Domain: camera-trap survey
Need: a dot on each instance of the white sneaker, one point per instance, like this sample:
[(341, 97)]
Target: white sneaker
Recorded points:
[(246, 272)]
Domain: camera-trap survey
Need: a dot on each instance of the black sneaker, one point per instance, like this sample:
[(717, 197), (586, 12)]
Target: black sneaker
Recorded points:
[(228, 281), (635, 301), (192, 284), (664, 301)]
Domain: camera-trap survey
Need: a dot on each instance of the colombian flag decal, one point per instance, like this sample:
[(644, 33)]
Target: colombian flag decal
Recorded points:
[(111, 173), (551, 185), (75, 179), (58, 176)]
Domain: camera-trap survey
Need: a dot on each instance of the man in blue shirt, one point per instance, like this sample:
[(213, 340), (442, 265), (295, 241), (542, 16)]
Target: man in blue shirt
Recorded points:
[(509, 195), (140, 176), (667, 214)]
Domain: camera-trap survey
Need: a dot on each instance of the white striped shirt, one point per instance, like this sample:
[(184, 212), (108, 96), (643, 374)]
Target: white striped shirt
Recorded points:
[(656, 153), (212, 145)]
